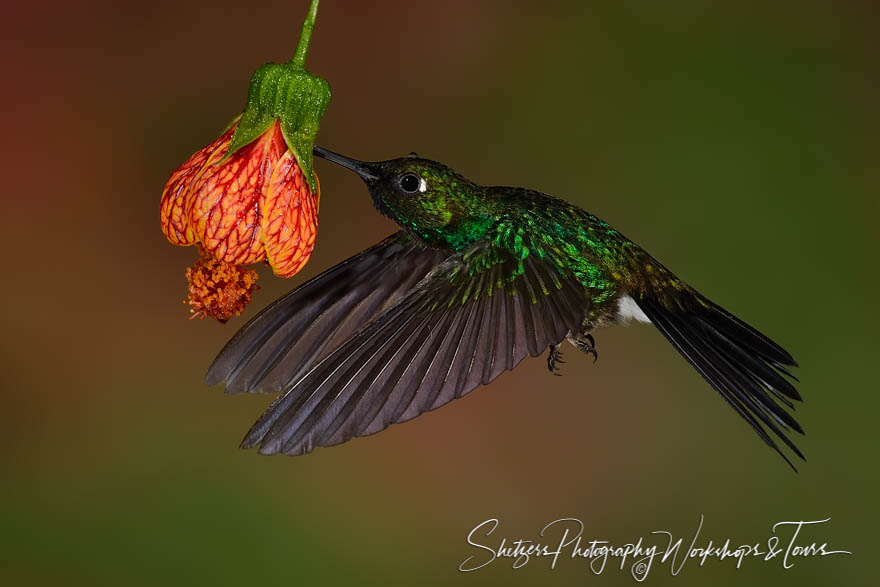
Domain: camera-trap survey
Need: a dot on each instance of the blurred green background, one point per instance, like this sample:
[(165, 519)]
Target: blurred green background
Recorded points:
[(737, 141)]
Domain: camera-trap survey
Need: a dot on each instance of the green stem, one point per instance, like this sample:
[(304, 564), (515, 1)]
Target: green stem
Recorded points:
[(299, 58)]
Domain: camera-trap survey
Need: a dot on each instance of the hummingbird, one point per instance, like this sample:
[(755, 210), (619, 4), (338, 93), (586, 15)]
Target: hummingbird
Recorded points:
[(476, 279)]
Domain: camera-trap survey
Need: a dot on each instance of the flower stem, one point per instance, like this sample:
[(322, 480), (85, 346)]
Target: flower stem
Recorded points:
[(299, 58)]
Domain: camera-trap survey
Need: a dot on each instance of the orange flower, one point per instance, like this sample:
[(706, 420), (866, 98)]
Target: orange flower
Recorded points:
[(252, 194), (252, 206)]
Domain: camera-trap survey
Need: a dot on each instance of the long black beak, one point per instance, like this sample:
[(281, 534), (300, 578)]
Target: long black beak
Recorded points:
[(359, 167)]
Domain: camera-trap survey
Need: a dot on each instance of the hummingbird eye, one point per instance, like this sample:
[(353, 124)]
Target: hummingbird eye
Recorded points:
[(411, 183)]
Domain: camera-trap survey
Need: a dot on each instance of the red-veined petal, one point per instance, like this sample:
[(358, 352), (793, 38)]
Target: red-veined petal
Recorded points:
[(228, 199), (290, 219), (177, 193)]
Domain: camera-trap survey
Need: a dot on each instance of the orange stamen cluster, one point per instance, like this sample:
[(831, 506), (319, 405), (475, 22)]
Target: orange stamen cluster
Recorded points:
[(219, 289)]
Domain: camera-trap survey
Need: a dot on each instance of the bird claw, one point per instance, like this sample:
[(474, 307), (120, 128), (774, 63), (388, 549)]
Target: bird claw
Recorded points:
[(587, 345), (553, 358)]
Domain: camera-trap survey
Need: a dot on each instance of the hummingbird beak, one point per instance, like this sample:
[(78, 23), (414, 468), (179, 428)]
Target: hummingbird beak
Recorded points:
[(359, 167)]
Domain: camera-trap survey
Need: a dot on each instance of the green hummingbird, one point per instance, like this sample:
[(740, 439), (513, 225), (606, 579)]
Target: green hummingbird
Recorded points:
[(476, 279)]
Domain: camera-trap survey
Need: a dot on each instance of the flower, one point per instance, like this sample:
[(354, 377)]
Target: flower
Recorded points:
[(250, 206), (252, 195)]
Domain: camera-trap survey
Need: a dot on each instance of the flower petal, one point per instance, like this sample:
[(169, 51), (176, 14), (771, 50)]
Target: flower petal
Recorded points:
[(177, 194), (290, 219), (228, 199)]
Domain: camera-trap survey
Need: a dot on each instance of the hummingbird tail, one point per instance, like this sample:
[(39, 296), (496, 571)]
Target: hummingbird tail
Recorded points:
[(744, 366)]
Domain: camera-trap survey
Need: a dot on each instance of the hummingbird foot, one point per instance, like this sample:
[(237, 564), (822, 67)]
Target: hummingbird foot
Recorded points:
[(586, 344), (554, 357)]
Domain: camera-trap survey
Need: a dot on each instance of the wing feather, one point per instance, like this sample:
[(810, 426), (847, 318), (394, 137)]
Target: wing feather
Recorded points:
[(295, 332), (454, 331)]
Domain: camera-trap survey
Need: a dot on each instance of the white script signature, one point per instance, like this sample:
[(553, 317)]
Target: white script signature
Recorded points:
[(564, 538)]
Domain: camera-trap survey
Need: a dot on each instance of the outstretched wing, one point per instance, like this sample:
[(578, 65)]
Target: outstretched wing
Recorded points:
[(292, 334), (476, 315)]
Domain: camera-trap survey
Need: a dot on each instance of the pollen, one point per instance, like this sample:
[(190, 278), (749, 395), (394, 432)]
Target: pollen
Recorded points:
[(219, 289)]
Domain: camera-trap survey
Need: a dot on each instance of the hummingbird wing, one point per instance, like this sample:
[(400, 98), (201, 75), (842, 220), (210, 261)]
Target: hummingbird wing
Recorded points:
[(474, 316), (290, 335)]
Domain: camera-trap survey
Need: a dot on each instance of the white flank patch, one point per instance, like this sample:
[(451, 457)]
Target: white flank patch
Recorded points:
[(628, 309)]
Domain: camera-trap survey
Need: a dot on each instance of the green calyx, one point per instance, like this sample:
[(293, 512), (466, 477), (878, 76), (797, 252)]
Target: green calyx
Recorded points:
[(291, 95), (294, 97)]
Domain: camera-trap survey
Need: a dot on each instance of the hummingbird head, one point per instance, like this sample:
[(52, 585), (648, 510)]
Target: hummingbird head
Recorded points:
[(425, 197)]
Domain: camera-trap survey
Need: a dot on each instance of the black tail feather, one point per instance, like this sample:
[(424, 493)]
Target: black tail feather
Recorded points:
[(745, 367)]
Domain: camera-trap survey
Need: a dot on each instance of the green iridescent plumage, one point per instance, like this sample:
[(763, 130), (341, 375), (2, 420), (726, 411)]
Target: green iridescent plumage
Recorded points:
[(454, 213), (477, 279)]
